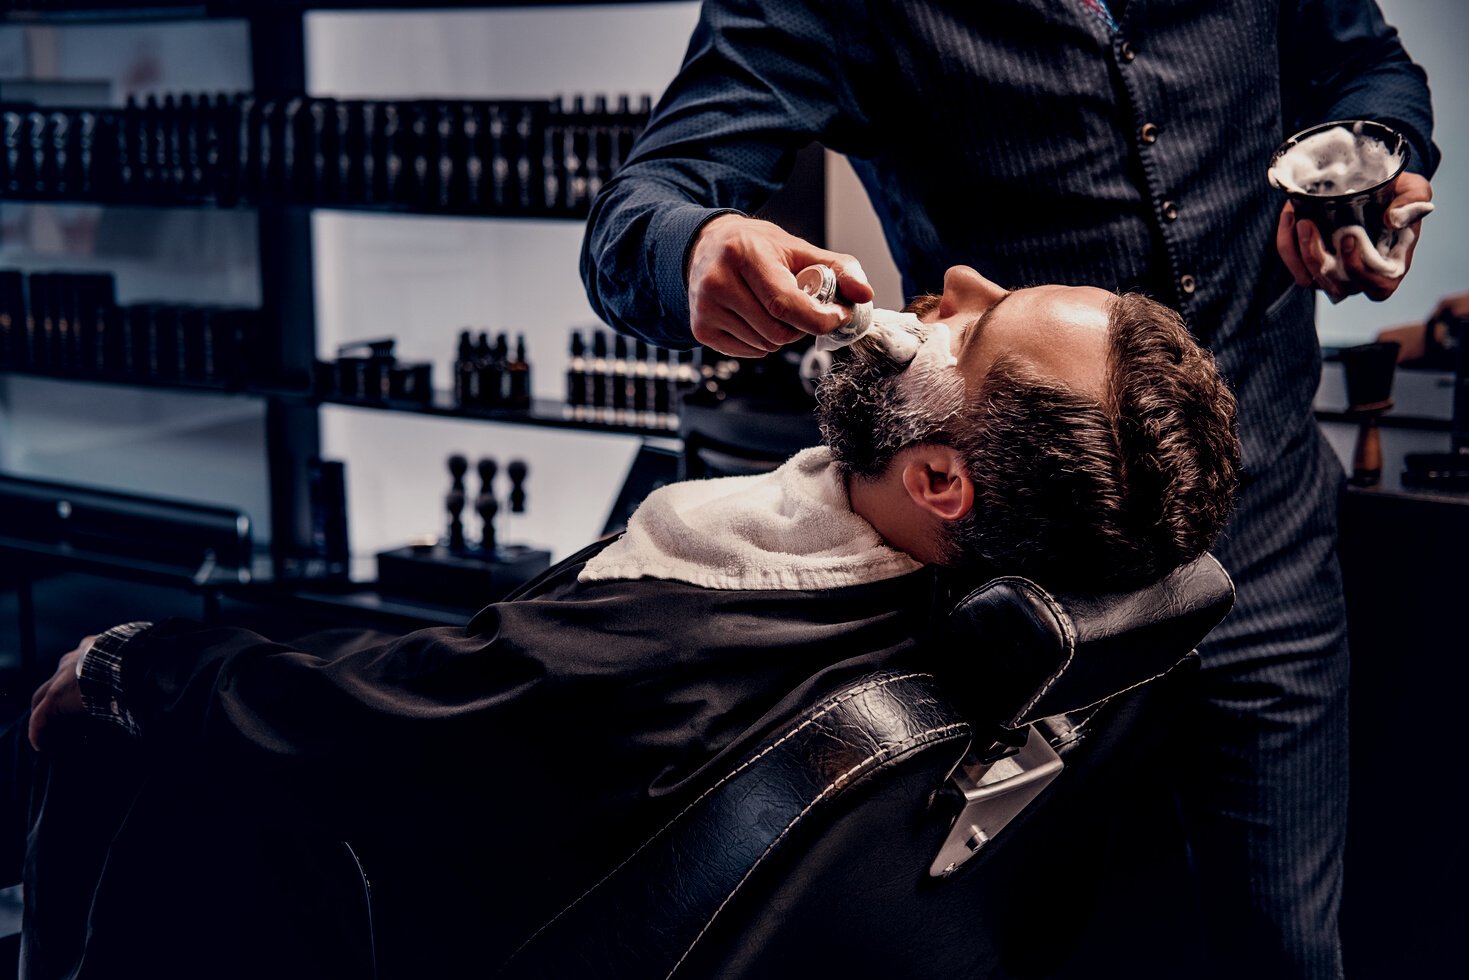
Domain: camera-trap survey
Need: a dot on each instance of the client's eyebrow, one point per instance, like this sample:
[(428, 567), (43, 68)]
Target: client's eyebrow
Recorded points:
[(978, 322)]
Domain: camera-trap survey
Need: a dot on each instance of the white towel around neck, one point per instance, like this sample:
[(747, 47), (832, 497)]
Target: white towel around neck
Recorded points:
[(792, 528)]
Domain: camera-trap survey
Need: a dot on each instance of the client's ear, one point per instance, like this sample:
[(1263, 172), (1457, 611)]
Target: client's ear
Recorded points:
[(936, 479)]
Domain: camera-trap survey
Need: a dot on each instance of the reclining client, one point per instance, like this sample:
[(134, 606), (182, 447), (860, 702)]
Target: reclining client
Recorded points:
[(194, 785)]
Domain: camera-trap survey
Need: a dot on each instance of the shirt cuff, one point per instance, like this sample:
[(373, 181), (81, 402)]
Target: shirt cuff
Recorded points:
[(99, 675), (672, 238)]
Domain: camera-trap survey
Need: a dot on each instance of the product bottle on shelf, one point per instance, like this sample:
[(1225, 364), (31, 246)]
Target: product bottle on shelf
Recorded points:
[(466, 379), (598, 147), (391, 125), (576, 380), (373, 155), (640, 380), (553, 157), (619, 128), (574, 153), (474, 163), (517, 376), (499, 159), (148, 144), (620, 402), (486, 379), (173, 153), (599, 372), (662, 393), (525, 126), (497, 379), (685, 379)]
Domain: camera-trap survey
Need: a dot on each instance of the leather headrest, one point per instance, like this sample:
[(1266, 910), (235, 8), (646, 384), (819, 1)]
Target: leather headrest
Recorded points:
[(1019, 653)]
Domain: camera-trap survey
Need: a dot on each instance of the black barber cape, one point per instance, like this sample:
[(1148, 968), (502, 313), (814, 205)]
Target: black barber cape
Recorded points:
[(485, 776)]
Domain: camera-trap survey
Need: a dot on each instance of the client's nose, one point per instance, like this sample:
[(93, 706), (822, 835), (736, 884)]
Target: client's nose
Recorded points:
[(966, 291)]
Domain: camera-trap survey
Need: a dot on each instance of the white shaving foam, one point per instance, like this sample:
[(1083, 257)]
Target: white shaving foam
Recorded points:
[(898, 333), (1337, 161)]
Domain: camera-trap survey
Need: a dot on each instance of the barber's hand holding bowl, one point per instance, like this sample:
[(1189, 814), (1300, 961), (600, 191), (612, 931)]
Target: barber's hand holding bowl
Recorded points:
[(1353, 212), (743, 297), (1302, 248)]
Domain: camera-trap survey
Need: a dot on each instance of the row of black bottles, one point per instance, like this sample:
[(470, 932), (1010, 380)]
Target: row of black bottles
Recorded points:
[(70, 323), (490, 375), (534, 157), (627, 382)]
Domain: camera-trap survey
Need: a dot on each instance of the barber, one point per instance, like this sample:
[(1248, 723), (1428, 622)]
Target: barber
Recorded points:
[(1116, 142)]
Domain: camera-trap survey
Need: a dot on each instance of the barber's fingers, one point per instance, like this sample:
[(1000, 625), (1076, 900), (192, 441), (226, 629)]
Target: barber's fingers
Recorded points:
[(730, 334), (40, 694), (1411, 201), (41, 714), (731, 312), (852, 284), (1313, 254), (1374, 284), (1410, 189), (1289, 246), (766, 323), (747, 267), (727, 343), (774, 285), (781, 301), (58, 697)]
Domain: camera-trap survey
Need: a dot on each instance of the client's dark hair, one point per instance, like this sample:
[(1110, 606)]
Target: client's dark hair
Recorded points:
[(1072, 492)]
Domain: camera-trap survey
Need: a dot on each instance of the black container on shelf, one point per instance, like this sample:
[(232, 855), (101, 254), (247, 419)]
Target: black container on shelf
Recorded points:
[(411, 382), (69, 323)]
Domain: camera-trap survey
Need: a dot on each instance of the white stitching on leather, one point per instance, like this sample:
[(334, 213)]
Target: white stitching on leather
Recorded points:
[(816, 715), (933, 734), (1063, 620), (1134, 687), (1068, 633)]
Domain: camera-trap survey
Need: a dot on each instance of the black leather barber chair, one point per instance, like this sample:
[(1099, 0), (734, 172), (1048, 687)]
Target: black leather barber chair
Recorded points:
[(941, 824), (739, 438)]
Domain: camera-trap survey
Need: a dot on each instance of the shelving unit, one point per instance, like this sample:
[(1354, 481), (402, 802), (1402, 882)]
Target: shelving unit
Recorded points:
[(294, 417), (293, 435)]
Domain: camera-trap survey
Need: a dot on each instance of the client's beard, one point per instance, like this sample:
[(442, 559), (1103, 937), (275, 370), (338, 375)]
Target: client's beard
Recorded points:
[(870, 405)]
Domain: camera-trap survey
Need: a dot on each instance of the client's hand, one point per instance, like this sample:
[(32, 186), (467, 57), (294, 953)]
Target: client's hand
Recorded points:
[(743, 298), (58, 698)]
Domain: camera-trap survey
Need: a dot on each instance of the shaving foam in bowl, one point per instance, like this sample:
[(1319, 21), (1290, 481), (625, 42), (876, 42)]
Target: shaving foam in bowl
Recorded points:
[(1341, 173)]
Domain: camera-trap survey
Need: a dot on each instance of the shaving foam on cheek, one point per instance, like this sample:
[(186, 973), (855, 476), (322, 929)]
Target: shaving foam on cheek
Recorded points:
[(940, 342), (897, 332)]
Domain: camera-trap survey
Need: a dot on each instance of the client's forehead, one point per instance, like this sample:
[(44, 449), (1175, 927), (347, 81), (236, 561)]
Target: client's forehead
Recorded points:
[(1080, 305), (1056, 331)]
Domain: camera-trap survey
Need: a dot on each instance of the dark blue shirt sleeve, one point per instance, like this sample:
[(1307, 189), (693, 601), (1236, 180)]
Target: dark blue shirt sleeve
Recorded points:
[(1341, 60), (760, 80)]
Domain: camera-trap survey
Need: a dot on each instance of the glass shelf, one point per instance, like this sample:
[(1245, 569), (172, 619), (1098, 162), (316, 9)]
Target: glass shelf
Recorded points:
[(544, 412)]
